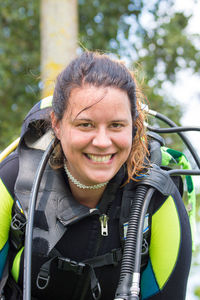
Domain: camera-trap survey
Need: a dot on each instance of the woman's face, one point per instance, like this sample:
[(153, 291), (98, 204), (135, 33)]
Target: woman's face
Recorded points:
[(95, 133)]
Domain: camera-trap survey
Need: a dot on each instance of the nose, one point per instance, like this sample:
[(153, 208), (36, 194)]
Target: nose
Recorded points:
[(102, 139)]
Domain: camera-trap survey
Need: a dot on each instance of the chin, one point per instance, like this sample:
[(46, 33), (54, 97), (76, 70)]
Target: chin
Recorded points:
[(97, 181), (102, 179)]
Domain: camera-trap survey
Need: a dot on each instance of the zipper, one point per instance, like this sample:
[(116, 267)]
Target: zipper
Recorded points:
[(104, 224), (104, 232), (104, 221)]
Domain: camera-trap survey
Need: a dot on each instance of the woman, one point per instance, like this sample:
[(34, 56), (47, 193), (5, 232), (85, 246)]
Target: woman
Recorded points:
[(83, 203)]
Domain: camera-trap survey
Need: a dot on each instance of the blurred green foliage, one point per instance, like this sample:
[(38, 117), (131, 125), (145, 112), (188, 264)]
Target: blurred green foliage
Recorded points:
[(20, 61), (150, 35), (197, 292), (196, 254)]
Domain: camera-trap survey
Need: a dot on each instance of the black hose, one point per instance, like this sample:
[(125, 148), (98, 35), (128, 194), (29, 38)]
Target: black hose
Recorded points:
[(128, 261), (173, 129), (182, 135), (128, 287), (30, 219), (143, 212), (183, 172)]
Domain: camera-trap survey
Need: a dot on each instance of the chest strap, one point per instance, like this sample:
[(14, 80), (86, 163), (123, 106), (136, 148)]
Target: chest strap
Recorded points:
[(88, 265)]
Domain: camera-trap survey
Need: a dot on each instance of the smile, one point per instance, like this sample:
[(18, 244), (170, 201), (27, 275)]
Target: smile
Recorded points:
[(98, 158)]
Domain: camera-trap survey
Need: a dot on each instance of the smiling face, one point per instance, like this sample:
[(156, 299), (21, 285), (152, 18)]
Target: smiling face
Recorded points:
[(95, 133)]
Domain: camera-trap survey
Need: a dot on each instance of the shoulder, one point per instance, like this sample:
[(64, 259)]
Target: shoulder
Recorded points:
[(8, 172), (170, 247)]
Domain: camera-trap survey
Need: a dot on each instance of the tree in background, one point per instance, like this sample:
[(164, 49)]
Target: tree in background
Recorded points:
[(148, 34), (20, 64), (59, 37), (152, 35)]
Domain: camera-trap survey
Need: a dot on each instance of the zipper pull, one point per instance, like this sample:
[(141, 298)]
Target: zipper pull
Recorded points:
[(104, 224)]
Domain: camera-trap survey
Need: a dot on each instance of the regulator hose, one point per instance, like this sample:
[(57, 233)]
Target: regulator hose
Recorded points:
[(173, 129), (129, 282), (182, 135), (135, 287), (145, 206), (134, 237)]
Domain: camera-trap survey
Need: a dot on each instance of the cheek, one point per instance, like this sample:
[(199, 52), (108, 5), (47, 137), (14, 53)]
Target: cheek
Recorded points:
[(74, 140), (124, 141)]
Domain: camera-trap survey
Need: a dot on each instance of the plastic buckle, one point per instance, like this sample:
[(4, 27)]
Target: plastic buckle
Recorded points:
[(80, 268), (17, 230), (77, 267), (70, 265), (145, 247), (96, 292), (117, 256), (44, 280), (17, 223)]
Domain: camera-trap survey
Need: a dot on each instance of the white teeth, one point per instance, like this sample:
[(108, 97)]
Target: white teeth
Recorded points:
[(99, 158)]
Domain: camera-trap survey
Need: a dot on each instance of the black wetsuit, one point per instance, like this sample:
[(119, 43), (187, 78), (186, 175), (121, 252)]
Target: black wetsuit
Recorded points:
[(164, 277)]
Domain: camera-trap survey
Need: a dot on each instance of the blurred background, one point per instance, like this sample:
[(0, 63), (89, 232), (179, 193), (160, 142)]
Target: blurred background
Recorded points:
[(158, 39)]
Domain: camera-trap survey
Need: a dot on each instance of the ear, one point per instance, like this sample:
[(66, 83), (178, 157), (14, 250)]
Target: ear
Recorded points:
[(55, 123)]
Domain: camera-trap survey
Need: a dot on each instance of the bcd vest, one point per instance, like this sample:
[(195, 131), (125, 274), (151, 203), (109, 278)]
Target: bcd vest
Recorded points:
[(56, 211)]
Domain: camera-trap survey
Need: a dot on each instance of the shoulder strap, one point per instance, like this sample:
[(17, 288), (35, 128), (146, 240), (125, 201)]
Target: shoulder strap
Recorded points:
[(161, 181)]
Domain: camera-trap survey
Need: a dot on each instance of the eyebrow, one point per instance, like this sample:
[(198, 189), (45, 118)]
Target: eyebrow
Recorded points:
[(90, 120), (120, 120), (82, 119)]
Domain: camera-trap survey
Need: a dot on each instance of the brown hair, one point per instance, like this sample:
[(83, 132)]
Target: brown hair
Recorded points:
[(101, 71)]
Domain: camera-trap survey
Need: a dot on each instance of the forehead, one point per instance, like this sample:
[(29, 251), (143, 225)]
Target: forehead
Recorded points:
[(90, 98)]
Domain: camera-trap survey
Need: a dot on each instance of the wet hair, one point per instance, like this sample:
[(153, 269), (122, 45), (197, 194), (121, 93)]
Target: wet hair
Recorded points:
[(99, 70)]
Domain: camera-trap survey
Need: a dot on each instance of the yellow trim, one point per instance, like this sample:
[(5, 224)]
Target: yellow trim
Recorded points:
[(6, 203), (16, 265), (165, 241), (46, 102), (9, 149)]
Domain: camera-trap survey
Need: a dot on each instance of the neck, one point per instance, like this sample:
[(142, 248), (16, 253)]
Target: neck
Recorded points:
[(89, 198), (81, 185), (88, 195)]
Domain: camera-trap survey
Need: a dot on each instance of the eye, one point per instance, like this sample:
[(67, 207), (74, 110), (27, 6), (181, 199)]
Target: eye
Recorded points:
[(117, 125), (85, 125)]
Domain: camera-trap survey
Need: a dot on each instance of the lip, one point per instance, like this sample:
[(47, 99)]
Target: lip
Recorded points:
[(100, 158), (98, 154)]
